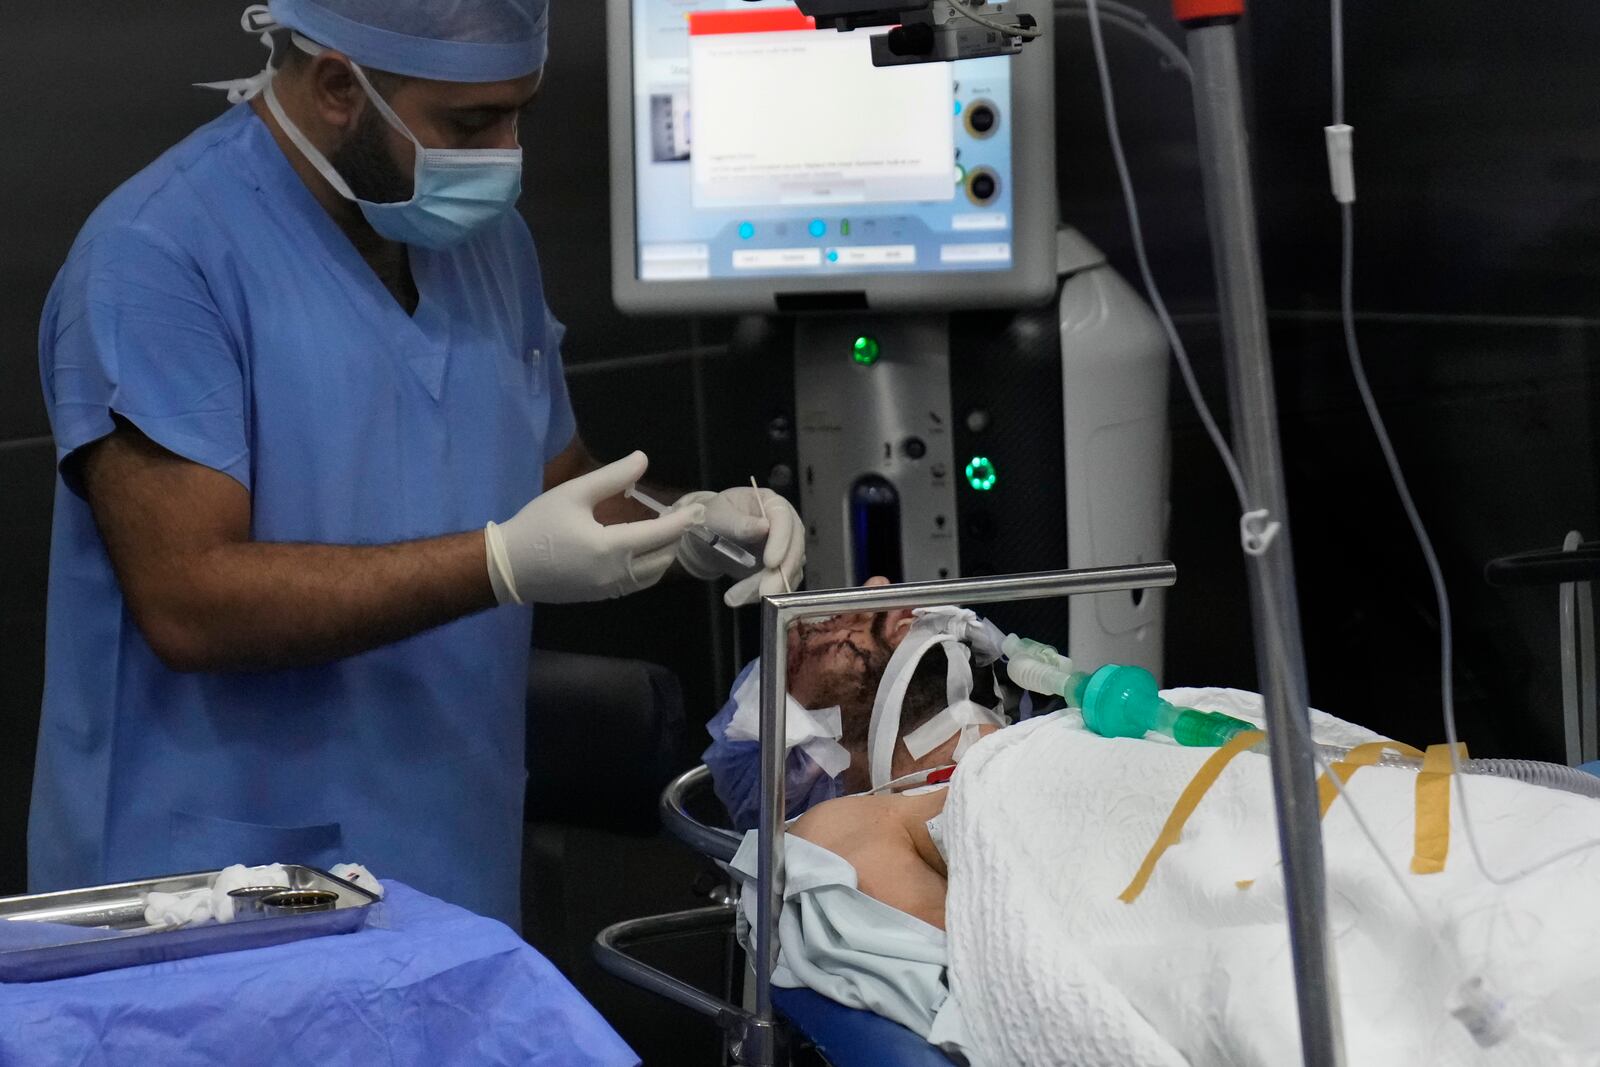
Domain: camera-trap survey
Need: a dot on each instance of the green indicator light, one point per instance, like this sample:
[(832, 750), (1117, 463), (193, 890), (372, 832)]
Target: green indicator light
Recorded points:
[(844, 227), (981, 474), (865, 351)]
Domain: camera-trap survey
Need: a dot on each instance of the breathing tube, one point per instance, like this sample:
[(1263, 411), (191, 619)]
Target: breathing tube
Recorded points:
[(1125, 701)]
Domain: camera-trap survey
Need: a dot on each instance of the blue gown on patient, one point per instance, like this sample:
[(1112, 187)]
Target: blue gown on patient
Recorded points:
[(736, 770), (215, 305)]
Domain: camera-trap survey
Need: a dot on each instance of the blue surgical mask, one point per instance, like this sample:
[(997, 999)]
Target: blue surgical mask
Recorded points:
[(455, 191)]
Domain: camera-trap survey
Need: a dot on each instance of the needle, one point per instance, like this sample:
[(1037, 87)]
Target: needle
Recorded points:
[(787, 588)]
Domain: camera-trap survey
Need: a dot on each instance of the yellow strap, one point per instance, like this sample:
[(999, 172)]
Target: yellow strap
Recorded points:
[(1188, 800), (1432, 844), (1360, 756)]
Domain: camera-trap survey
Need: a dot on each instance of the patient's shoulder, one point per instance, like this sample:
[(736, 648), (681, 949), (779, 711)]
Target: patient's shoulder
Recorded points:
[(878, 836), (844, 821), (836, 824)]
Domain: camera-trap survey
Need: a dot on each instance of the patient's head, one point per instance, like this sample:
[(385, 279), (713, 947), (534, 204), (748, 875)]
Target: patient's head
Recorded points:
[(840, 661), (925, 698)]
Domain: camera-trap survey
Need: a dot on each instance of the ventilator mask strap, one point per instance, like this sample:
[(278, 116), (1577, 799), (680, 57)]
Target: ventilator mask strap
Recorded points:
[(884, 729), (961, 714), (951, 626), (258, 20)]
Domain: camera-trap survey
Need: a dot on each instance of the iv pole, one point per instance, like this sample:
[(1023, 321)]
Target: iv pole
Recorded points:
[(1274, 607), (1230, 209)]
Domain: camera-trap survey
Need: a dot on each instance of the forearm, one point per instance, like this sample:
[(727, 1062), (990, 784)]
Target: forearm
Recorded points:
[(263, 605)]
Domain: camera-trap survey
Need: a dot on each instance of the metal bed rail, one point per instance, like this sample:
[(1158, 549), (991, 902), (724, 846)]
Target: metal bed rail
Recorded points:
[(612, 952), (712, 841), (758, 1047), (613, 946)]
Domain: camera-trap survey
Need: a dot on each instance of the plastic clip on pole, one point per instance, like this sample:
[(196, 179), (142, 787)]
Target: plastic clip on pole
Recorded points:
[(1341, 162)]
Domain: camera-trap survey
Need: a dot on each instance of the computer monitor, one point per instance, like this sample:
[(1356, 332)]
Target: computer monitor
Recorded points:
[(760, 164)]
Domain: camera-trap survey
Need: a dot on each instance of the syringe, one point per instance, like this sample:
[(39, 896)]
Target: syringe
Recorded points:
[(728, 548)]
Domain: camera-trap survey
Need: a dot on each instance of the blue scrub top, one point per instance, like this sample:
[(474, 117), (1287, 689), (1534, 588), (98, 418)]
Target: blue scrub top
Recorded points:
[(213, 303)]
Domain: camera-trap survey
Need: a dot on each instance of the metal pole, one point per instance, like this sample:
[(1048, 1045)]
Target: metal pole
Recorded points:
[(777, 613), (1225, 168)]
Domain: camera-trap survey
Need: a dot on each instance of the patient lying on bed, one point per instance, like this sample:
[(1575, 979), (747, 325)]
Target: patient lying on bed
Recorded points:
[(989, 917), (996, 918)]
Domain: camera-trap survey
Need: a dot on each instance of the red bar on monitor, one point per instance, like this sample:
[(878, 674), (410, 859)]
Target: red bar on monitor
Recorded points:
[(1198, 10), (758, 20)]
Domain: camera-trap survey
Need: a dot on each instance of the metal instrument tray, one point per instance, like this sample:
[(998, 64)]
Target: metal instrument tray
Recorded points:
[(102, 927)]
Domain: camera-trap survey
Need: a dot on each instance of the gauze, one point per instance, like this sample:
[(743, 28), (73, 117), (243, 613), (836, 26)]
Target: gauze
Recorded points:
[(815, 732)]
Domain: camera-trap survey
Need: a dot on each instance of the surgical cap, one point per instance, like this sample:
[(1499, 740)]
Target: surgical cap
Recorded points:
[(445, 40)]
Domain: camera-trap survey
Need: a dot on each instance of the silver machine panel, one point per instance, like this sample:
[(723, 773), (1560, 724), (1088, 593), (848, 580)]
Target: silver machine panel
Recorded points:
[(877, 470)]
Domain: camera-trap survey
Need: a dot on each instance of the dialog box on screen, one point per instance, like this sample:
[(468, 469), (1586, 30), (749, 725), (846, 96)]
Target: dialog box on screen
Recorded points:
[(783, 114)]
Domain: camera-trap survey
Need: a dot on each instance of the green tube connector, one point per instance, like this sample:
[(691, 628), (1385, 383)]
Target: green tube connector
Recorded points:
[(1126, 702), (1115, 701)]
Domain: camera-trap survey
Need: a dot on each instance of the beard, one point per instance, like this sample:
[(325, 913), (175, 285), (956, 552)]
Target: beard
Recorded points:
[(366, 164)]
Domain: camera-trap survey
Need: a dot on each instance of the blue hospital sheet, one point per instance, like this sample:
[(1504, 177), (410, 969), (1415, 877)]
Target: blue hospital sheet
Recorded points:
[(425, 983)]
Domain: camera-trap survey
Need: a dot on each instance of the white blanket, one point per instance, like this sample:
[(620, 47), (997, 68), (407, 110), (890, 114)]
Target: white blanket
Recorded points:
[(1047, 823)]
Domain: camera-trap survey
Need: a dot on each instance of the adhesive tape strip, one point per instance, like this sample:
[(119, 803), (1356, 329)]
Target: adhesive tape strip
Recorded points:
[(1432, 844), (1360, 756), (1188, 800)]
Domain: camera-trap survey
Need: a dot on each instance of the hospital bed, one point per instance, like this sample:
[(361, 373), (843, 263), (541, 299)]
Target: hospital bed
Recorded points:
[(773, 1024)]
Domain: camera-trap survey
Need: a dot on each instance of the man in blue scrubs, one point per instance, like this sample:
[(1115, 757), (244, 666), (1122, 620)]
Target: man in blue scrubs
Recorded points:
[(312, 429)]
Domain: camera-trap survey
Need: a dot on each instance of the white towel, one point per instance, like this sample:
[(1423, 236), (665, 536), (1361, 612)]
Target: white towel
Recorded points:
[(195, 907), (1047, 823), (358, 875), (190, 908)]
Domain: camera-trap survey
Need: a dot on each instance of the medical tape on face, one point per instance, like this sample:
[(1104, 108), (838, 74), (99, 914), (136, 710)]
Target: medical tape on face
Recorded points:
[(821, 742), (963, 717), (1188, 800), (815, 731), (985, 639), (1431, 844)]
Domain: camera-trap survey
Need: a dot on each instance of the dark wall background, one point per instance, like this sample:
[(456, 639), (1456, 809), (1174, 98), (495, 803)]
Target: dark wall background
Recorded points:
[(1478, 147)]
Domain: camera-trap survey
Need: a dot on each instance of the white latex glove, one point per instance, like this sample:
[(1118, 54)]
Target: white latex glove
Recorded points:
[(778, 540), (554, 551)]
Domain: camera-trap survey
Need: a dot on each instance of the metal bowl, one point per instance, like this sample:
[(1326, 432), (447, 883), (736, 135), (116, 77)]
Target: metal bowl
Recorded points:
[(298, 901), (247, 899)]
